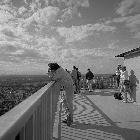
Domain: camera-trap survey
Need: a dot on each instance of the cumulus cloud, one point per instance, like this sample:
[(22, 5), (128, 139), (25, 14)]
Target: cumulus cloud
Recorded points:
[(129, 12), (76, 33), (128, 7), (113, 45), (71, 8), (21, 10), (43, 16), (79, 53), (5, 16), (29, 34), (131, 22)]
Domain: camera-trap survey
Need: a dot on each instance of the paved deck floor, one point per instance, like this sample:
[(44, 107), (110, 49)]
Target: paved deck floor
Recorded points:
[(98, 116)]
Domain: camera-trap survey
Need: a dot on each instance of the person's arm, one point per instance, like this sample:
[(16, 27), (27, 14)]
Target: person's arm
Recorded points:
[(57, 75), (50, 75)]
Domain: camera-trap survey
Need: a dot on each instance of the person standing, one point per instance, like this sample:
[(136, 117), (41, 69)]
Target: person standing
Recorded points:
[(125, 84), (74, 77), (89, 78), (63, 79), (118, 73), (78, 79)]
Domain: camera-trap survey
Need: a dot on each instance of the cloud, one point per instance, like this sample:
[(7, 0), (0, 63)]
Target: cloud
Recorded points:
[(79, 53), (128, 7), (76, 33), (5, 16), (133, 22), (137, 35), (22, 10), (43, 16), (18, 52), (5, 1), (113, 45), (71, 8)]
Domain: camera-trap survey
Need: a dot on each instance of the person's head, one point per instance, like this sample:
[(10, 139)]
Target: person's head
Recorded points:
[(53, 66), (74, 67), (77, 69), (88, 69), (123, 68), (119, 67)]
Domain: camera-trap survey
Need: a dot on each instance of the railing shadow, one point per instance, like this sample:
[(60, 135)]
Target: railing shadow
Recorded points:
[(105, 92), (91, 123)]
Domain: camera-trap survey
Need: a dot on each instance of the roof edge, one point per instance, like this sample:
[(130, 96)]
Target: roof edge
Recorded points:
[(129, 52)]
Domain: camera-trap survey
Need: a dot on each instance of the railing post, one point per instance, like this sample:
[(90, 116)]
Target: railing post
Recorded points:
[(22, 134), (29, 129), (55, 92)]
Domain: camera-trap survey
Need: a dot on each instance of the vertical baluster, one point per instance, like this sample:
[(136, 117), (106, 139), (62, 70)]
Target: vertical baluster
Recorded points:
[(35, 126), (48, 100), (22, 134), (45, 111), (29, 129), (40, 122), (42, 119)]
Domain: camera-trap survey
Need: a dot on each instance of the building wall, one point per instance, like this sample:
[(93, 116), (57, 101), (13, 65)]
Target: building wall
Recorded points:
[(132, 64)]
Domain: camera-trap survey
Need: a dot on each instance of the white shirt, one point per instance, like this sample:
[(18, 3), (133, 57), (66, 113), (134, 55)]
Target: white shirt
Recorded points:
[(118, 72), (124, 75)]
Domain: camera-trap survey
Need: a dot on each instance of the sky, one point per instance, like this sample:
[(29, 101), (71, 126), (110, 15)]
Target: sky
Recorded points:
[(84, 33)]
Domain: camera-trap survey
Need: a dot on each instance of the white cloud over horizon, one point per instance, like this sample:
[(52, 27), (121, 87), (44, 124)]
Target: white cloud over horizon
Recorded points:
[(35, 33)]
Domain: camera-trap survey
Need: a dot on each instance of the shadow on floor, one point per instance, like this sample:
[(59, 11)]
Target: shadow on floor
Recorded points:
[(93, 124), (105, 92)]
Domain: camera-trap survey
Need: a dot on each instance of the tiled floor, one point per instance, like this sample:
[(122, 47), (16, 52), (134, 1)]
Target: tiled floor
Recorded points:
[(91, 122)]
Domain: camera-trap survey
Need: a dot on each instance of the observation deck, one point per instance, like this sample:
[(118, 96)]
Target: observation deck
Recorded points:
[(97, 116)]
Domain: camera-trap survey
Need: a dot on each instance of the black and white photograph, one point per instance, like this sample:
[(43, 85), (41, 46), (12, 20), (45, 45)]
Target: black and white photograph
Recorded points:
[(69, 69)]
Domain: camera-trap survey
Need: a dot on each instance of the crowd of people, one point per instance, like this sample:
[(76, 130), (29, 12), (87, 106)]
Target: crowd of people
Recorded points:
[(70, 82)]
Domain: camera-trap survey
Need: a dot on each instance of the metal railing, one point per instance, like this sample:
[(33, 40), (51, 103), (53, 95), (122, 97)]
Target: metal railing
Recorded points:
[(33, 118), (100, 82)]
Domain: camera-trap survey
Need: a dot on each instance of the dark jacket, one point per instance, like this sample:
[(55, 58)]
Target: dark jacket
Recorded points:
[(89, 75)]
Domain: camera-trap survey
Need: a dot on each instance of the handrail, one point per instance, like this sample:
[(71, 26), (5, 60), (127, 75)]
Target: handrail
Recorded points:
[(15, 123)]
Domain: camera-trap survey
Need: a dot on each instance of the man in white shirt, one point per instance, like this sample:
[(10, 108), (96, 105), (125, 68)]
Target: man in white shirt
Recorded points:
[(124, 81), (118, 73)]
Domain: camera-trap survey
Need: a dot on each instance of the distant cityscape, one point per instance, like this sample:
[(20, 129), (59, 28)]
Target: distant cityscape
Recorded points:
[(14, 89)]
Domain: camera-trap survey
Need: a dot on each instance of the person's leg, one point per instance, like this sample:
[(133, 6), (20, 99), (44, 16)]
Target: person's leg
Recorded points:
[(118, 82), (125, 93), (87, 84), (90, 85), (76, 85), (69, 99)]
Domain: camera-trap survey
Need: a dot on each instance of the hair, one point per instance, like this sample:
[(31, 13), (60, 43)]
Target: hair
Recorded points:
[(74, 67), (53, 66), (88, 69), (124, 67)]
